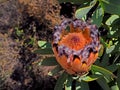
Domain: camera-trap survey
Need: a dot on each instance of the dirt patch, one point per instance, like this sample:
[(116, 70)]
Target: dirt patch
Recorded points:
[(45, 11), (10, 15), (22, 24), (16, 52), (8, 56)]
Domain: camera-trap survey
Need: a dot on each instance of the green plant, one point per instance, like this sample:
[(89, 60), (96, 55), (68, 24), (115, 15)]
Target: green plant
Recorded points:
[(106, 70)]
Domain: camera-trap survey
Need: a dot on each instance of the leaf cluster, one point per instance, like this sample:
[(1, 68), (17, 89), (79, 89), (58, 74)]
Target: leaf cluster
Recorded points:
[(106, 71)]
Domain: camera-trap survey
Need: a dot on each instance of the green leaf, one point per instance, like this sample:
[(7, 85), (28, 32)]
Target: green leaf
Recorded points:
[(41, 43), (111, 19), (115, 87), (110, 49), (108, 74), (78, 85), (18, 31), (102, 82), (98, 16), (55, 71), (115, 24), (49, 61), (103, 42), (91, 78), (105, 60), (115, 27), (68, 85), (44, 44), (82, 11), (111, 6), (60, 82), (44, 51), (84, 85), (116, 51), (101, 50), (112, 67)]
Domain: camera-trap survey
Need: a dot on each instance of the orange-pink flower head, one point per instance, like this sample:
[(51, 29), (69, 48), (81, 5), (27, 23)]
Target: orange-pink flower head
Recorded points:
[(76, 45)]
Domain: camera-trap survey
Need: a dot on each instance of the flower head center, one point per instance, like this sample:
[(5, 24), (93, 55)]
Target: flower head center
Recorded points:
[(75, 39)]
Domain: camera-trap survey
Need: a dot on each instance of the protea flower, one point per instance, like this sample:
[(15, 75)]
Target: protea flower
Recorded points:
[(76, 45)]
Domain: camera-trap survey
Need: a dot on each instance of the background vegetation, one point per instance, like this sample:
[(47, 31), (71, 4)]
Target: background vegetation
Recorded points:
[(105, 73)]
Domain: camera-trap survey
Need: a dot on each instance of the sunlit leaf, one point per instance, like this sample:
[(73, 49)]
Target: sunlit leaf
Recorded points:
[(91, 78), (50, 61), (60, 82), (111, 19), (44, 44), (115, 87), (98, 16), (82, 11), (110, 49), (108, 74), (101, 50), (41, 43), (44, 51), (102, 82), (55, 71), (78, 86), (111, 6)]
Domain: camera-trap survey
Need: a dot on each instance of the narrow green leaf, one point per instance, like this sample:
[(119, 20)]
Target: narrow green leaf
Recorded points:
[(84, 85), (82, 12), (105, 60), (111, 6), (112, 67), (60, 82), (78, 85), (44, 51), (55, 71), (111, 19), (91, 78), (108, 74), (98, 16), (102, 82), (49, 61), (68, 85), (101, 50)]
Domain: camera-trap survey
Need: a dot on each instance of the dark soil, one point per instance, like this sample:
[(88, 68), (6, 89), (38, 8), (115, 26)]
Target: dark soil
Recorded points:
[(22, 24)]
